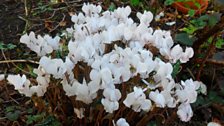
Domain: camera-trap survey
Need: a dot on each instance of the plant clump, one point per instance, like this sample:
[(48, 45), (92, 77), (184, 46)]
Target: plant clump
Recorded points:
[(108, 49)]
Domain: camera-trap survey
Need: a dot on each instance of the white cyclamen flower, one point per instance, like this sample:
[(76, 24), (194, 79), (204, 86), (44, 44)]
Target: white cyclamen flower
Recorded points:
[(158, 98), (187, 92), (84, 93), (122, 122), (145, 18), (185, 112), (137, 100), (189, 52), (2, 77), (213, 124), (110, 102), (21, 84), (109, 106), (56, 67), (79, 112), (40, 45)]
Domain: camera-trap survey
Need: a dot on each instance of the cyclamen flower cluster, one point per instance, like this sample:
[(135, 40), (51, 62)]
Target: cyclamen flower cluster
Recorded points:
[(92, 32)]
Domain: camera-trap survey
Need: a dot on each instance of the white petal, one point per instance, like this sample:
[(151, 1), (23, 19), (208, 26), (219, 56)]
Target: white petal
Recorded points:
[(157, 98), (109, 106), (25, 39), (2, 77), (185, 112), (129, 100), (146, 105), (122, 122), (79, 112), (176, 52), (17, 81), (213, 124)]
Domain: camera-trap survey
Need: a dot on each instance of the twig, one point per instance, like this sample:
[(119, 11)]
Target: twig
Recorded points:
[(59, 3), (190, 72), (19, 61), (211, 61), (4, 57), (3, 118), (205, 35), (211, 47), (10, 96), (18, 99), (25, 7), (26, 14), (58, 24)]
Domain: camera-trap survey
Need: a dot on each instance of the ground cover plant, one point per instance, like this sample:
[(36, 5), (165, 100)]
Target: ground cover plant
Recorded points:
[(109, 64)]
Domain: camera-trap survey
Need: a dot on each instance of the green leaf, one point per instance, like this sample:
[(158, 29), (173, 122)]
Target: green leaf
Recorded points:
[(34, 118), (191, 12), (11, 46), (13, 116), (9, 109), (198, 5), (152, 123), (112, 7), (169, 2), (29, 111), (219, 43), (135, 2), (30, 68), (190, 29), (201, 101), (214, 97), (176, 69), (49, 121), (185, 39), (214, 19), (2, 45)]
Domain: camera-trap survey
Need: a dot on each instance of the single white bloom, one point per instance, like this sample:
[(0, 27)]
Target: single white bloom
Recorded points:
[(185, 112), (79, 19), (158, 98), (122, 122), (39, 90), (2, 77), (169, 100), (163, 70), (213, 124), (189, 52), (137, 100), (70, 89), (83, 93), (106, 75), (171, 23), (110, 106), (53, 42), (112, 94), (56, 67), (187, 92), (203, 88), (79, 112), (145, 18), (176, 53), (21, 84), (17, 81)]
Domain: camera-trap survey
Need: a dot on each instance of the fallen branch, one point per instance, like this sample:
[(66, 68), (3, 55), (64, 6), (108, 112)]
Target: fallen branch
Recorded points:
[(18, 61), (211, 61), (204, 36), (211, 47)]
